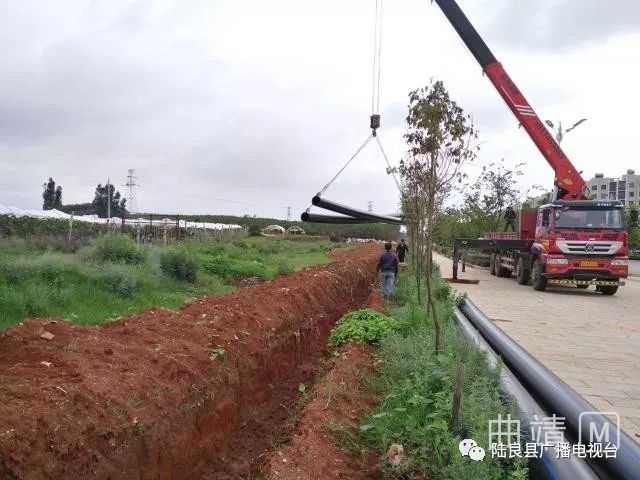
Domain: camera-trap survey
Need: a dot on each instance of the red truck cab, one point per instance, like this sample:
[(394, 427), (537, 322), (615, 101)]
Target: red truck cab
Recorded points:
[(579, 242)]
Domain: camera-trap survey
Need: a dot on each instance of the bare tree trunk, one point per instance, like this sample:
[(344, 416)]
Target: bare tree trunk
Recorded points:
[(431, 303), (417, 233), (431, 215), (457, 396)]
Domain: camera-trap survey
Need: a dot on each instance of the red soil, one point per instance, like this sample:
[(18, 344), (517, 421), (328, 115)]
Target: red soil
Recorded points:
[(341, 397), (153, 396)]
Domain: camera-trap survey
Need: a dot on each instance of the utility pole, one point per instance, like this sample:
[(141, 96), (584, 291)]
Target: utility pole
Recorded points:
[(288, 214), (108, 200), (131, 192), (370, 206)]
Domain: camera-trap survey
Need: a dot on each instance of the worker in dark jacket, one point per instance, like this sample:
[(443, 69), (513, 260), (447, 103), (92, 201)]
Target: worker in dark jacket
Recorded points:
[(401, 250), (510, 219), (387, 270)]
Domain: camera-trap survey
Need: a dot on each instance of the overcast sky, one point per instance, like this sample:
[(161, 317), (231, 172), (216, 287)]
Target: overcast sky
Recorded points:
[(247, 106)]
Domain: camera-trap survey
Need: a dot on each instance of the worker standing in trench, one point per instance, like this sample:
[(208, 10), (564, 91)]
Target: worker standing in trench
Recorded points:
[(387, 270)]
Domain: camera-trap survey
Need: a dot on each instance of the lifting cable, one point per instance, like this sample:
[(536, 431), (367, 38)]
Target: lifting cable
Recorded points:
[(374, 119)]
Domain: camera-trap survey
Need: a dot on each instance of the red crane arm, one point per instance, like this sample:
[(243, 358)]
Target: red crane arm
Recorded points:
[(571, 185)]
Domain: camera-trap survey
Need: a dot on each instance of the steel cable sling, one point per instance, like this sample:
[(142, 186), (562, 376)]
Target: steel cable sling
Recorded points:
[(349, 214)]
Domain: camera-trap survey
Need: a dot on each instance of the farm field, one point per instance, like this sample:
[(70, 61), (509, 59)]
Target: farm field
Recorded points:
[(112, 276)]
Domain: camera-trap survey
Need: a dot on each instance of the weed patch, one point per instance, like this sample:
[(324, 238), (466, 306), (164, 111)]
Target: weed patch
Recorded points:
[(418, 385), (178, 265), (113, 248), (230, 269), (361, 326), (118, 279)]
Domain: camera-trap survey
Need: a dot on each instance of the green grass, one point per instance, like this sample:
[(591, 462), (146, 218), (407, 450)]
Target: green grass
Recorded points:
[(417, 388), (363, 325), (112, 277)]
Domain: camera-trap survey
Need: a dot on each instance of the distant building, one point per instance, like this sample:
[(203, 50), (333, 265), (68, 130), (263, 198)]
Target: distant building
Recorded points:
[(626, 188), (272, 230)]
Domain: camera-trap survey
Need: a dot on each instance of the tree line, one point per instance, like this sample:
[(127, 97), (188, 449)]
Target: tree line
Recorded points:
[(107, 201), (52, 199)]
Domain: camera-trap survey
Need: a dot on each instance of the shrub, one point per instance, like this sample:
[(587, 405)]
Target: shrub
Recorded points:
[(231, 269), (13, 246), (114, 248), (29, 300), (284, 268), (363, 325), (118, 279), (271, 247), (442, 291), (178, 265), (47, 267)]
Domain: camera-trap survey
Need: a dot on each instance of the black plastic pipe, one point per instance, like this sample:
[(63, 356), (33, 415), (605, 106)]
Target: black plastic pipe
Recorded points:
[(557, 396), (337, 219), (352, 212), (548, 467)]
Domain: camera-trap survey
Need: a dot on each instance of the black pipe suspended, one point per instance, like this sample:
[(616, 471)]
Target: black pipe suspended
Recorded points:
[(337, 219), (352, 212), (551, 468), (557, 396)]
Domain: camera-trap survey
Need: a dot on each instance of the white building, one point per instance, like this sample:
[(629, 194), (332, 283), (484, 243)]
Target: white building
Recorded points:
[(626, 188)]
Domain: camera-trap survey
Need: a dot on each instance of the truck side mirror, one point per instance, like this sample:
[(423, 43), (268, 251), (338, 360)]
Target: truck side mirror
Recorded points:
[(545, 217)]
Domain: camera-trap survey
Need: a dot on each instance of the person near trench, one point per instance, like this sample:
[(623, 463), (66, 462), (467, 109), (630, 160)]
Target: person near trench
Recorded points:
[(401, 250), (387, 270), (510, 219)]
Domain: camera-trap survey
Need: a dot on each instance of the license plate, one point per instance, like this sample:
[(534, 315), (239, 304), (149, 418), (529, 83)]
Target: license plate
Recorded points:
[(588, 263)]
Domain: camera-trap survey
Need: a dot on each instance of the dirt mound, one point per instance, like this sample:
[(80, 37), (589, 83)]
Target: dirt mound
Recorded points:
[(194, 393), (337, 404)]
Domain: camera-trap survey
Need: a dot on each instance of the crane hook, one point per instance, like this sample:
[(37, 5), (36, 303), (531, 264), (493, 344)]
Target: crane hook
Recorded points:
[(374, 123)]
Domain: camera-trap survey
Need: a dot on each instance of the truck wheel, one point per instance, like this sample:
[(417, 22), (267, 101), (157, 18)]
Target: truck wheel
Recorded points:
[(492, 264), (500, 270), (522, 274), (608, 289), (537, 280)]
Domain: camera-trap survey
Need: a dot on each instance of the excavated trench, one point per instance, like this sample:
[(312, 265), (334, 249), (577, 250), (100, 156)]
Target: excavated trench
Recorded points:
[(203, 392)]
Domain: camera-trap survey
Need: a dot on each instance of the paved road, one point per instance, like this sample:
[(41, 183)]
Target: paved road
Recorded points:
[(589, 340), (634, 267)]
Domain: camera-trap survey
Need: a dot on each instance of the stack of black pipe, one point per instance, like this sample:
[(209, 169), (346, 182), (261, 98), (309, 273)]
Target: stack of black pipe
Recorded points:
[(349, 215)]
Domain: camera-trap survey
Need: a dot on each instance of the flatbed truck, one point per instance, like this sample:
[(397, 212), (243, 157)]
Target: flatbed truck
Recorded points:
[(570, 241)]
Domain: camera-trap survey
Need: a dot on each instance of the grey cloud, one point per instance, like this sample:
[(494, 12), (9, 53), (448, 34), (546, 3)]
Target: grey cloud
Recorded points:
[(556, 26), (91, 88)]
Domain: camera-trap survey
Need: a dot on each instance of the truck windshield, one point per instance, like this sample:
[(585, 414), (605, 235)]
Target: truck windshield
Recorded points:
[(588, 218)]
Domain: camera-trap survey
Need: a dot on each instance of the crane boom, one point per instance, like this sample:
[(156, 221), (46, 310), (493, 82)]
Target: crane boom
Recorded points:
[(568, 180)]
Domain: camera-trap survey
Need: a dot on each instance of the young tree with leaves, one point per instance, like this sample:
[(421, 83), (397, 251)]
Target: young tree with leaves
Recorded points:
[(441, 138), (631, 218), (496, 189)]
